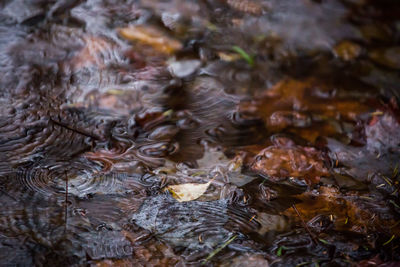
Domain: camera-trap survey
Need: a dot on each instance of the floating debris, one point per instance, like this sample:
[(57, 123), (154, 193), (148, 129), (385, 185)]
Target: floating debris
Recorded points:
[(188, 192)]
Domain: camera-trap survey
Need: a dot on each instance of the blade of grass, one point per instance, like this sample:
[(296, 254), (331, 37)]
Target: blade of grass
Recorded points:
[(323, 241), (216, 251), (243, 54), (390, 240), (394, 204), (279, 252), (395, 171), (302, 264)]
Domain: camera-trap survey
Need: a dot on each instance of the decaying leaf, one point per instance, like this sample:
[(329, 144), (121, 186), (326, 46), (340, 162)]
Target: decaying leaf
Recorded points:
[(388, 57), (281, 161), (151, 36), (308, 107), (94, 52), (246, 6), (347, 50), (189, 191), (351, 212)]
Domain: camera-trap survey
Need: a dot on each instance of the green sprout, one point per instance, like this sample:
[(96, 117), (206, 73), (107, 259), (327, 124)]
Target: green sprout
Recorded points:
[(244, 55)]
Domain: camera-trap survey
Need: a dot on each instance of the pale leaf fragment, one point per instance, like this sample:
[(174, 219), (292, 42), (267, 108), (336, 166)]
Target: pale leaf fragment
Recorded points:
[(189, 191)]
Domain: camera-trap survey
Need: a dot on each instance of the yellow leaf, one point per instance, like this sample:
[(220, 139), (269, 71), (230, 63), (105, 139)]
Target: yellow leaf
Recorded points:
[(188, 192), (115, 92), (151, 36)]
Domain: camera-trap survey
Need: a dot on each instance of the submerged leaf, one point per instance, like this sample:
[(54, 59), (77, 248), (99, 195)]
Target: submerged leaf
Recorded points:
[(189, 191), (151, 36)]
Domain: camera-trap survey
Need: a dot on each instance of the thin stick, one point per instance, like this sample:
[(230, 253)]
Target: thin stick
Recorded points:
[(66, 202), (304, 224), (7, 194)]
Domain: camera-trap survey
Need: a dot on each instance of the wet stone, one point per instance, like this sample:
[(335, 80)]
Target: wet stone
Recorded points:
[(181, 223)]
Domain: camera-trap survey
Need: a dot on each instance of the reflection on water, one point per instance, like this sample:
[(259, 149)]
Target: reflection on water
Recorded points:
[(291, 108)]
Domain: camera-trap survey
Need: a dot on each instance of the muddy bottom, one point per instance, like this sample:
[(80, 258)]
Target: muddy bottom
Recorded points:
[(189, 133)]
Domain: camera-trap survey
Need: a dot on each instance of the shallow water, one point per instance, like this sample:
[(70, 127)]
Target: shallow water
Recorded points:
[(291, 108)]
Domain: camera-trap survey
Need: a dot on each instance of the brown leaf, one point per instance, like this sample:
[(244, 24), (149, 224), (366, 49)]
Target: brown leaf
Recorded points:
[(280, 162)]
